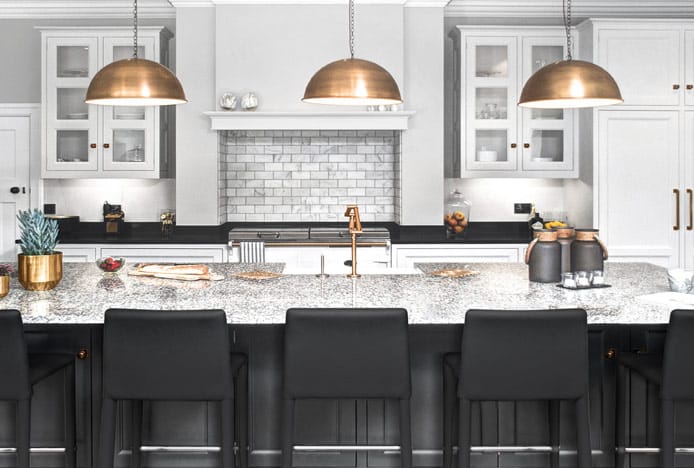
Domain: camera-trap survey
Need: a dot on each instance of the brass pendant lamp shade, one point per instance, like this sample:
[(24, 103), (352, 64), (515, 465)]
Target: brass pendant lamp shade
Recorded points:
[(570, 84), (135, 82), (352, 81)]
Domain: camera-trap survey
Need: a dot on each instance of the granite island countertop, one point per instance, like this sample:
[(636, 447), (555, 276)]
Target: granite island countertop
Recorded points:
[(84, 294)]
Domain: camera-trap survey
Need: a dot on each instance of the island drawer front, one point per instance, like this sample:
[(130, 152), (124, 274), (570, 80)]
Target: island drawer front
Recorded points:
[(406, 255)]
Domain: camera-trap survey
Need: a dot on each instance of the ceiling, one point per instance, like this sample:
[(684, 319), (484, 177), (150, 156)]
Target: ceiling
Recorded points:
[(469, 8)]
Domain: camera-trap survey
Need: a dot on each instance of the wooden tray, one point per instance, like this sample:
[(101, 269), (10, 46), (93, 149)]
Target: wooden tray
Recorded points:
[(210, 276), (454, 273), (258, 275)]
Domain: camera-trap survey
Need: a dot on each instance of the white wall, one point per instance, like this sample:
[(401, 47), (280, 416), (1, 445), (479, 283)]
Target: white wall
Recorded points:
[(142, 200)]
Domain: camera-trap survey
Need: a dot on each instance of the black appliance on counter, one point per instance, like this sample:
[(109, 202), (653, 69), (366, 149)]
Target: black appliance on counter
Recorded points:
[(114, 217)]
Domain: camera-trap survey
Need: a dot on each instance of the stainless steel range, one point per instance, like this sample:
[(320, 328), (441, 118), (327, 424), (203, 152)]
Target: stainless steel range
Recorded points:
[(301, 248)]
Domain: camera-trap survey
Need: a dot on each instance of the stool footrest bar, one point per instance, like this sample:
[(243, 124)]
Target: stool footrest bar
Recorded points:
[(337, 448), (179, 448)]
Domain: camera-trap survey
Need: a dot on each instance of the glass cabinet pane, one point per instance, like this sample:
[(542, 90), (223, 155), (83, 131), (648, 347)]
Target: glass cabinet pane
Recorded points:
[(491, 61), (73, 61), (491, 145), (547, 146), (491, 103), (128, 113), (72, 145), (544, 55), (128, 145), (121, 52), (71, 105)]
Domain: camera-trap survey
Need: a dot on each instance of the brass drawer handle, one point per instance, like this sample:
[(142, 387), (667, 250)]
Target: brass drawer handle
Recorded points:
[(690, 226), (676, 227), (92, 146), (526, 145), (513, 145), (690, 86), (675, 86), (107, 146)]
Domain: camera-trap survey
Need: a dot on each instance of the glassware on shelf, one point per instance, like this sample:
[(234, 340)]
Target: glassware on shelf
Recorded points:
[(456, 214)]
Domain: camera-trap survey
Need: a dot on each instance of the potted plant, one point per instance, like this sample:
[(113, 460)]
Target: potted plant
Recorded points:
[(5, 270), (40, 267)]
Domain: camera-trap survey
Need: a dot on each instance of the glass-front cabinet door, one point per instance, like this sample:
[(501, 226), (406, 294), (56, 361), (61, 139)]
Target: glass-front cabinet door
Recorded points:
[(71, 123), (128, 136), (489, 106), (547, 143)]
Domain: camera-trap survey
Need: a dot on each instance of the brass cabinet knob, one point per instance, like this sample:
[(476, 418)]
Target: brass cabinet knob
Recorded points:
[(93, 145), (83, 354), (675, 86), (513, 145), (690, 86), (106, 145), (611, 353), (526, 145)]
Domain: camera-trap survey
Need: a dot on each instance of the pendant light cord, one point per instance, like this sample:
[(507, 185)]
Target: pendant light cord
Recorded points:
[(351, 28), (566, 7), (134, 28)]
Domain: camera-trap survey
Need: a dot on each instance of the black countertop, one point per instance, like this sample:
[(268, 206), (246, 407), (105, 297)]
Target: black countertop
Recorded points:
[(150, 233)]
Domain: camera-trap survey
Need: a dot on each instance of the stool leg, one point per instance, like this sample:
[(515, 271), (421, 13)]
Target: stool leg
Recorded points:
[(405, 435), (227, 433), (583, 433), (667, 447), (242, 404), (23, 433), (449, 398), (136, 433), (464, 426), (287, 432), (108, 433), (620, 419), (554, 435), (70, 416)]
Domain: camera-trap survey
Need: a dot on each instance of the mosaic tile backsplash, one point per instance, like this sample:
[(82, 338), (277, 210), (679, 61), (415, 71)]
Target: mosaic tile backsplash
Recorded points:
[(308, 175)]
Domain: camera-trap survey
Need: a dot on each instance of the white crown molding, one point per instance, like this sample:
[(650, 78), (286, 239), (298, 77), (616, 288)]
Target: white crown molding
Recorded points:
[(75, 9), (357, 120), (584, 8), (427, 3), (211, 3)]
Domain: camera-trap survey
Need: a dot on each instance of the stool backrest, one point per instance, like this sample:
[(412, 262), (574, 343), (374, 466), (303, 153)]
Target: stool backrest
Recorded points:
[(348, 353), (524, 355), (14, 366), (166, 355), (678, 366)]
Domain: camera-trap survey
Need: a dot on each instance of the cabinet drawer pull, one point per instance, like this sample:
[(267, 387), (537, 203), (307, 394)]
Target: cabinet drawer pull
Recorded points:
[(513, 145), (690, 86), (526, 145), (107, 146), (675, 86), (690, 226), (676, 227), (92, 146)]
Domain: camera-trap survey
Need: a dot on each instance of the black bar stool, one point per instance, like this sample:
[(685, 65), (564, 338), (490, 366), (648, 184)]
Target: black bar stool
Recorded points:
[(519, 355), (20, 371), (179, 355), (346, 353), (673, 372)]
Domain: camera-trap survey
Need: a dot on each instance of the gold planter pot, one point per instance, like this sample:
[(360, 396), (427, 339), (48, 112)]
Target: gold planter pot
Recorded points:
[(40, 272), (4, 285)]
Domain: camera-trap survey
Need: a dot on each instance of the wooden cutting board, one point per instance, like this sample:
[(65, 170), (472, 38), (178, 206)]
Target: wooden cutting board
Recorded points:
[(211, 276)]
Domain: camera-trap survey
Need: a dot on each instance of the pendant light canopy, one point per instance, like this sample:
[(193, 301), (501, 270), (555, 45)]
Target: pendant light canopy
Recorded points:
[(570, 83), (352, 81), (135, 81)]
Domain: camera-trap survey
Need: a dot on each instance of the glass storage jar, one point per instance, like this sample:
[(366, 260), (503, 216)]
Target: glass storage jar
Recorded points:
[(456, 214)]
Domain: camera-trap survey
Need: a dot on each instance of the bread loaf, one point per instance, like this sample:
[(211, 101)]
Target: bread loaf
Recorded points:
[(175, 269)]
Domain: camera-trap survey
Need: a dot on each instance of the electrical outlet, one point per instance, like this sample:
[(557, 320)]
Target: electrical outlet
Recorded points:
[(521, 208)]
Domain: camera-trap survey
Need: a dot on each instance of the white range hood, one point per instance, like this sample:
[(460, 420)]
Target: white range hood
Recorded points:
[(240, 120)]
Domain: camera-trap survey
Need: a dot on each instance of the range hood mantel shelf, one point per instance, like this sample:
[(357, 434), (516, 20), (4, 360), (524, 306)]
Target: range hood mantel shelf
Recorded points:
[(240, 120)]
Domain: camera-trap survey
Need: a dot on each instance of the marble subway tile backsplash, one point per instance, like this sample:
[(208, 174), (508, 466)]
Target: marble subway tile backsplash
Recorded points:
[(308, 175)]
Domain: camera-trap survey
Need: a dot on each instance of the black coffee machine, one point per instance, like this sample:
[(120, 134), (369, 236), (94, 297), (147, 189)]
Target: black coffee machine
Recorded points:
[(113, 218)]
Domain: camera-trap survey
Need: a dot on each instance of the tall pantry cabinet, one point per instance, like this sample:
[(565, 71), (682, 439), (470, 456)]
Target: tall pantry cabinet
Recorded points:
[(644, 148)]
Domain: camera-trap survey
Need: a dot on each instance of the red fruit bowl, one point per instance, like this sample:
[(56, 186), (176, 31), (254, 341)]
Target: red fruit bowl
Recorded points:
[(110, 264)]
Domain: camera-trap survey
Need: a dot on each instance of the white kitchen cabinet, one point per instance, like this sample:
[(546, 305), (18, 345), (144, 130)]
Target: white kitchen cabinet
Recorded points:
[(133, 253), (89, 141), (499, 139), (406, 255)]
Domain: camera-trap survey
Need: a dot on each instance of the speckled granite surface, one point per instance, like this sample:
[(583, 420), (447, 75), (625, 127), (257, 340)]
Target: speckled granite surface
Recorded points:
[(84, 294)]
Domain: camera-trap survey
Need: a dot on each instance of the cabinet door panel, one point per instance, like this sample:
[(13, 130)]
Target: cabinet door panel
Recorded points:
[(166, 254), (624, 52), (639, 166), (688, 196), (689, 68)]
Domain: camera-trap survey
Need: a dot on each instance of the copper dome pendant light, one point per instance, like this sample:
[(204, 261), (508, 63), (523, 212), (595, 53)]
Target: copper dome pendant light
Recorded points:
[(352, 81), (135, 81), (570, 83)]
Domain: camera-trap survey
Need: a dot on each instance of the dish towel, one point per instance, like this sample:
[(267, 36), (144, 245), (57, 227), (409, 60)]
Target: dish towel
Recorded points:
[(252, 252)]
